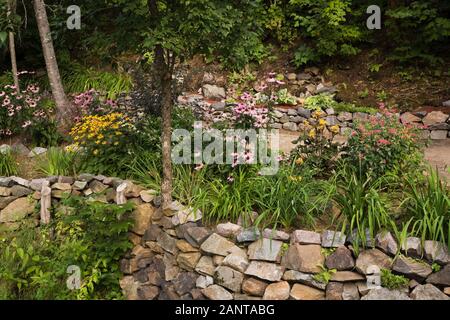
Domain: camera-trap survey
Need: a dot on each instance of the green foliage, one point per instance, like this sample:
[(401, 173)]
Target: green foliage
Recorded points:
[(320, 102), (374, 67), (418, 29), (57, 162), (436, 267), (325, 275), (326, 24), (308, 198), (284, 97), (8, 164), (90, 235), (77, 78), (363, 204), (428, 203), (392, 281)]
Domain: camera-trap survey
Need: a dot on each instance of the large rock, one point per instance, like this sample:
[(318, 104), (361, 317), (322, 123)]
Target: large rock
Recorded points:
[(334, 291), (142, 218), (254, 287), (218, 245), (350, 291), (229, 278), (276, 234), (36, 151), (440, 278), (205, 266), (436, 252), (411, 268), (341, 259), (265, 270), (302, 292), (204, 281), (216, 292), (305, 237), (188, 260), (277, 291), (167, 242), (413, 247), (372, 257), (428, 292), (236, 261), (186, 215), (213, 92), (184, 246), (228, 230), (17, 210), (304, 278), (386, 243), (304, 258), (408, 117), (385, 294), (197, 235), (346, 276), (248, 235), (434, 117), (332, 239), (265, 249), (20, 191), (185, 282), (129, 287), (4, 201), (438, 134), (97, 187)]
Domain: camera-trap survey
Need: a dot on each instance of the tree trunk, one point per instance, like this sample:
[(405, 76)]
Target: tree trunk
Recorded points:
[(12, 47), (166, 136), (54, 77), (164, 70)]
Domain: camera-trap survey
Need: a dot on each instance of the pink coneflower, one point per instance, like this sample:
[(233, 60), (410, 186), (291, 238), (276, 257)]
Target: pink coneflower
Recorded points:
[(26, 124)]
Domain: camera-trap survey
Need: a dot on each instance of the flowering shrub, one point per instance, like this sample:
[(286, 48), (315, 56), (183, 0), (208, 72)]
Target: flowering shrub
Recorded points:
[(19, 112), (383, 144), (316, 149), (93, 102), (104, 139)]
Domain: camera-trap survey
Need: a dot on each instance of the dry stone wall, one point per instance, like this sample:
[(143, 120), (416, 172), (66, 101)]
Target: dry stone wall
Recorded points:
[(175, 256)]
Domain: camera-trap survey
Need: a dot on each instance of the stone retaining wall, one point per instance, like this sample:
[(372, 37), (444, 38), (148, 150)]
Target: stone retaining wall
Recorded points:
[(435, 124), (177, 257), (176, 260)]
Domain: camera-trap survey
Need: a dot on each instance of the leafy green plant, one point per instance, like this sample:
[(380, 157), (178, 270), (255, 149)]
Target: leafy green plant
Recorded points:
[(80, 79), (307, 198), (392, 281), (436, 267), (284, 97), (362, 203), (91, 235), (57, 162), (325, 23), (428, 202), (374, 67), (319, 102), (363, 94), (382, 96), (8, 164)]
